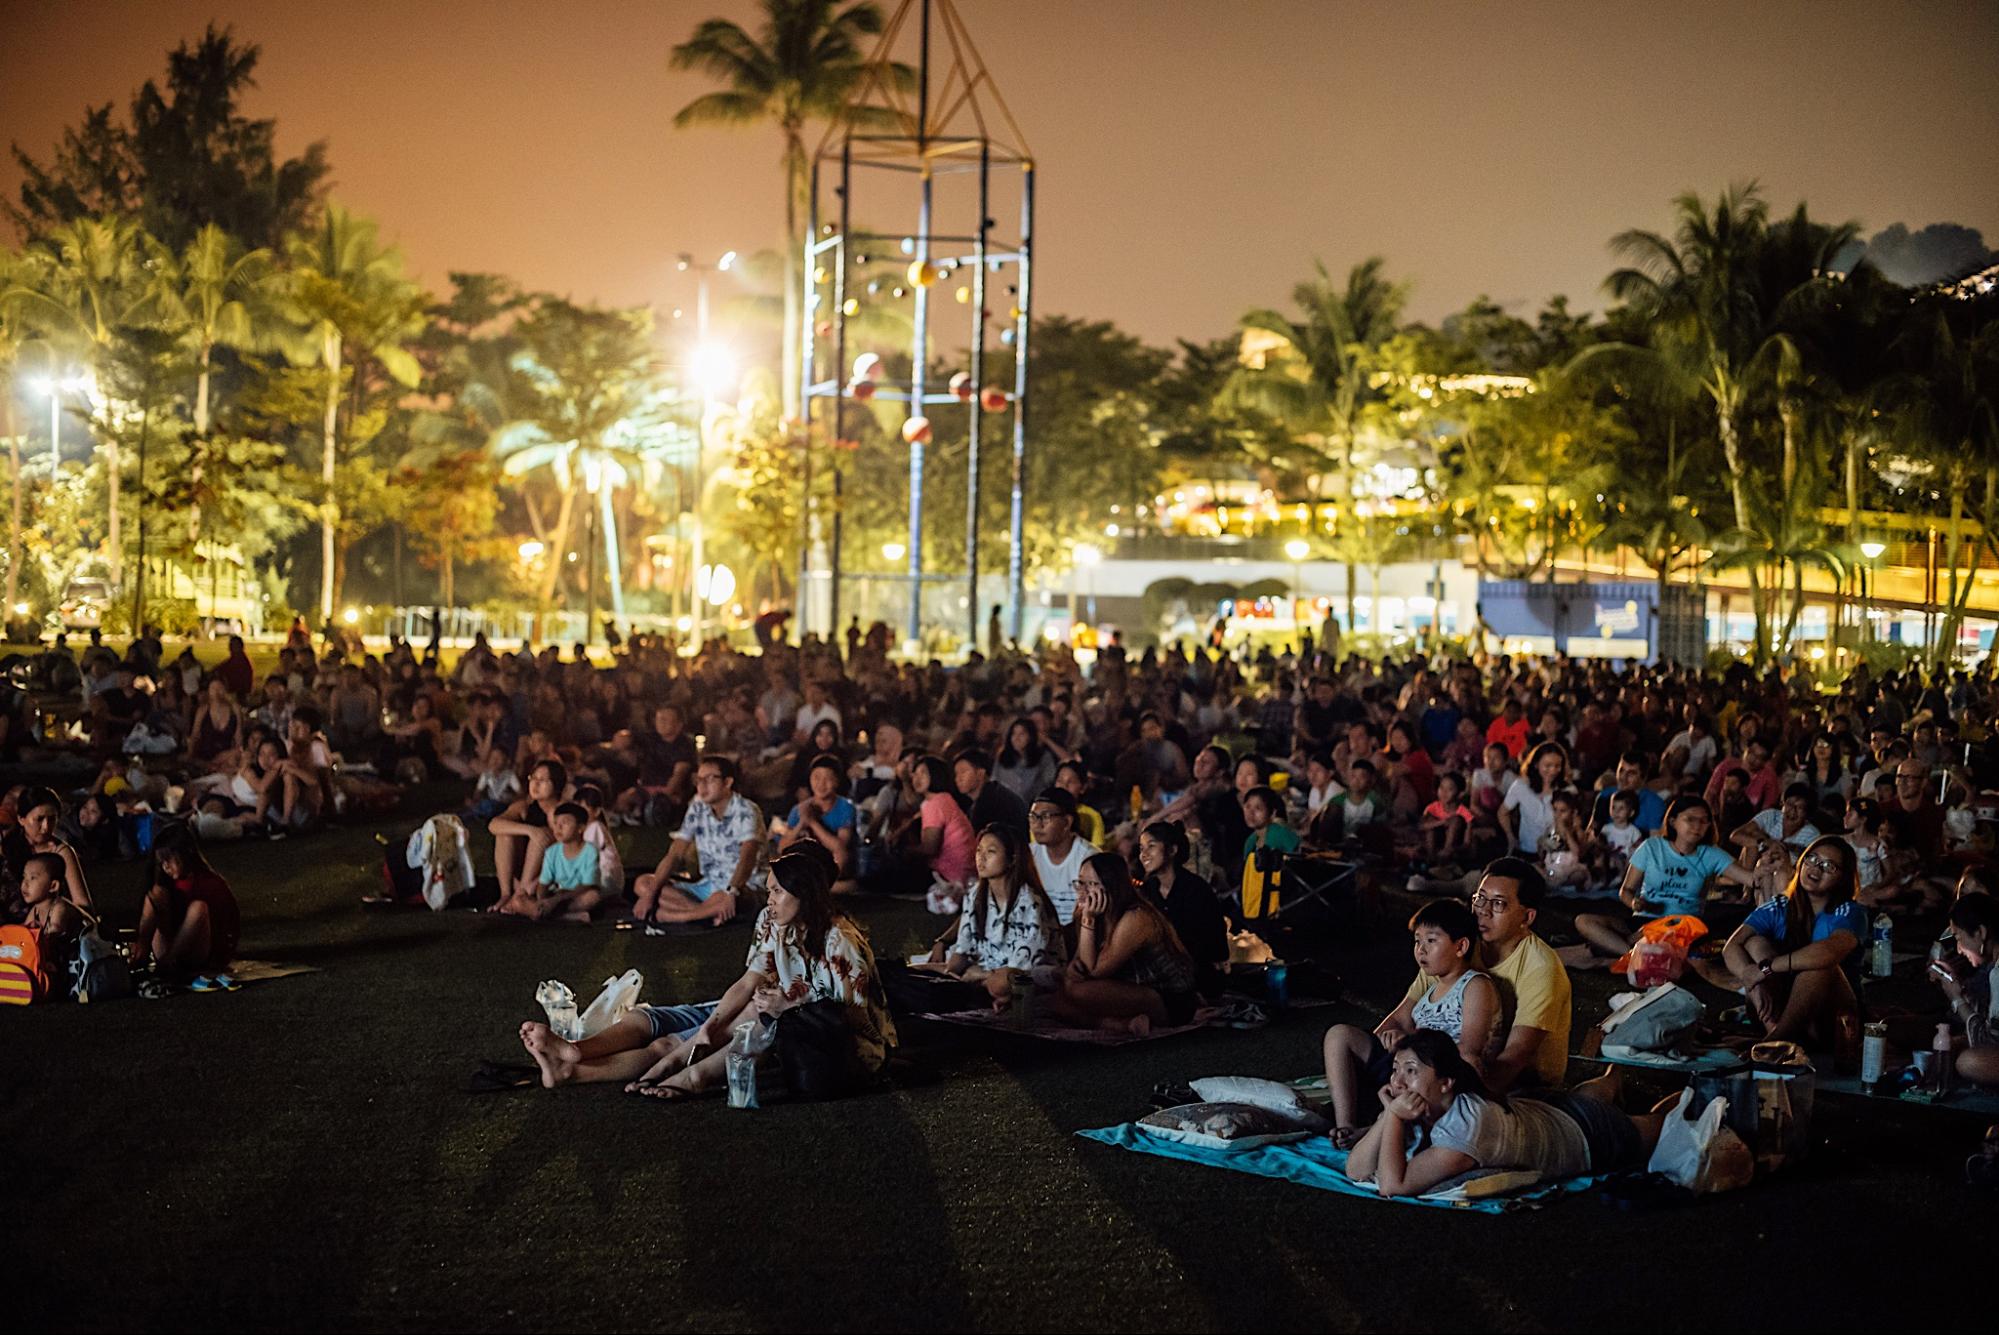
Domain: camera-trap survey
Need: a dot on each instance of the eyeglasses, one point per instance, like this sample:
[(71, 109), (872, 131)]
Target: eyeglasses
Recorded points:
[(1489, 904), (1037, 817), (1820, 862)]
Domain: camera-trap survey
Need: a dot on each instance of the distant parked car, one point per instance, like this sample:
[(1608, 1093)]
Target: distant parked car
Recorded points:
[(83, 604)]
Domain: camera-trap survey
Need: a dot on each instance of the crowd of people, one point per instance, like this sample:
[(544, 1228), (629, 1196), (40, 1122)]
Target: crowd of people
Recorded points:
[(1087, 839)]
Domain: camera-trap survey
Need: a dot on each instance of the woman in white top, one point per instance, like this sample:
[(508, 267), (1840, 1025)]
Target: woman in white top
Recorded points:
[(1439, 1121), (1528, 812)]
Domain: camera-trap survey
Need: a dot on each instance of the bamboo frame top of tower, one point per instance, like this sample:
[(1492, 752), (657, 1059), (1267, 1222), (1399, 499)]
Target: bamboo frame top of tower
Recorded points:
[(888, 124)]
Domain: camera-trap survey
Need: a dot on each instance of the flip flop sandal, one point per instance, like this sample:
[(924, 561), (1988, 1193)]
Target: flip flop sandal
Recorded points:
[(226, 983), (500, 1077), (204, 983)]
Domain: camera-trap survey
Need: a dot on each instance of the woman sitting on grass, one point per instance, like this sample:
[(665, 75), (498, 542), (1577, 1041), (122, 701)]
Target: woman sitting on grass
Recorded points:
[(1438, 1121), (189, 923), (1009, 926), (1796, 957), (802, 952), (520, 833), (38, 813), (1129, 970), (1464, 1003)]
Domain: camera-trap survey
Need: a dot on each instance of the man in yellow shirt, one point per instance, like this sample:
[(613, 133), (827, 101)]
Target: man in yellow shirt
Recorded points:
[(1533, 987)]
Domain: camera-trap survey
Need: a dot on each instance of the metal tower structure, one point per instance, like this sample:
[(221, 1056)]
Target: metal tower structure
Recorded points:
[(947, 121)]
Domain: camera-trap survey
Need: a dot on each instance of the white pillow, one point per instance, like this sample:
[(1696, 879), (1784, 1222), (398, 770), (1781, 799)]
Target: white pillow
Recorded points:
[(1272, 1095), (1222, 1126)]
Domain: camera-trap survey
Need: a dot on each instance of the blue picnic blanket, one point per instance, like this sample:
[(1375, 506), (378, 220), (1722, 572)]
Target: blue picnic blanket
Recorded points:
[(1315, 1163)]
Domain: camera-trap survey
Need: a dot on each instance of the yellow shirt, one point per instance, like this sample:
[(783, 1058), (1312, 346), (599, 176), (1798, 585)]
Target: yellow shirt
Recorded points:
[(1534, 991)]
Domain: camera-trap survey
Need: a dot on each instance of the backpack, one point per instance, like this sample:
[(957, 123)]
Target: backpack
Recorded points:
[(1654, 1022), (24, 976), (99, 972)]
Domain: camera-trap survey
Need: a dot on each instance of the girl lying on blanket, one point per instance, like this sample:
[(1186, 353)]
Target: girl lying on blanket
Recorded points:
[(1464, 1004), (1437, 1121)]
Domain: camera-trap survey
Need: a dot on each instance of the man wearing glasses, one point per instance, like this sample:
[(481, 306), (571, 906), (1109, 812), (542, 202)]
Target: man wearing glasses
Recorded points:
[(1059, 852), (1917, 815), (1534, 998)]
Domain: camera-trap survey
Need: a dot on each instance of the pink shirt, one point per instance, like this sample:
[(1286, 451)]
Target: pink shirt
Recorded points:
[(954, 855)]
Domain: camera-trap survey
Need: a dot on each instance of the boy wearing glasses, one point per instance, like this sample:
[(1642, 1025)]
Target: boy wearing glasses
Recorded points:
[(1059, 853)]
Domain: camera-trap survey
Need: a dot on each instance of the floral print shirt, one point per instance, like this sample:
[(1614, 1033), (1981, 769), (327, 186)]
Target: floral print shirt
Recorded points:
[(844, 973), (718, 840), (1025, 935)]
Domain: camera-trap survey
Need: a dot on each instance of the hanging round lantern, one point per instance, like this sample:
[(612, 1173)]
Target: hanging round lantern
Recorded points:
[(909, 245), (961, 385), (964, 295), (916, 431), (898, 292), (867, 366), (994, 400), (861, 390), (1013, 313), (850, 307), (819, 274), (1006, 335), (923, 273), (825, 328)]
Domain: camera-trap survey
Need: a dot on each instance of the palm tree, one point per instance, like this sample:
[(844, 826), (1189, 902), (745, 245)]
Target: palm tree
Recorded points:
[(804, 63), (12, 337), (590, 411), (223, 296), (85, 284), (1950, 412), (1714, 293), (347, 296), (1319, 382)]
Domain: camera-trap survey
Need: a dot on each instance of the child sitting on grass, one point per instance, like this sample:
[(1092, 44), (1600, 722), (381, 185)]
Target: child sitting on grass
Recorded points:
[(1269, 837), (47, 911), (597, 834), (1618, 839), (496, 788), (569, 883), (1446, 825), (1568, 844), (1463, 1003)]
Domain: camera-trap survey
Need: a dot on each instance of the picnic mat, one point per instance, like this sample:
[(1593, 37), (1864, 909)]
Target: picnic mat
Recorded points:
[(1965, 1098), (1313, 1162), (263, 971), (1000, 1022)]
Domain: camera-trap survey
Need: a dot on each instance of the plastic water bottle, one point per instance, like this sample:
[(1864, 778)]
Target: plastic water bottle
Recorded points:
[(1946, 1067), (1881, 957), (559, 1003), (753, 1038)]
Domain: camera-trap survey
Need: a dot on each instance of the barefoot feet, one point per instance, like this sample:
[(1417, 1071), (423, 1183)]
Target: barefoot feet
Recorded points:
[(556, 1057)]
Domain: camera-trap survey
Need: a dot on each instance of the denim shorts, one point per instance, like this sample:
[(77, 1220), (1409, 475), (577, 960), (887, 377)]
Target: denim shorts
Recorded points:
[(677, 1021)]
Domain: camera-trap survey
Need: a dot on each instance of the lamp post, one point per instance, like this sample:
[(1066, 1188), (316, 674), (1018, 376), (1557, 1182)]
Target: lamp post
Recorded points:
[(1085, 556), (712, 368), (1872, 551), (1296, 551)]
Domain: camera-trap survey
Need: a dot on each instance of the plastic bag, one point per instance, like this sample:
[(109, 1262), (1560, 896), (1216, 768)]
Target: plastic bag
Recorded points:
[(753, 1039), (619, 996), (1661, 950), (1701, 1153), (1770, 1108)]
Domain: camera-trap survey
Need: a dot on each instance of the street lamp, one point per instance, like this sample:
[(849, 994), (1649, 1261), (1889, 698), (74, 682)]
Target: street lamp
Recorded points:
[(55, 387), (1296, 550), (1085, 556), (713, 370), (893, 552), (1872, 551)]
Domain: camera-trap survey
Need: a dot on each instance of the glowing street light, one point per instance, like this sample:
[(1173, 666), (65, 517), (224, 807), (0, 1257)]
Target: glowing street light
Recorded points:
[(1297, 549), (530, 549), (55, 387), (893, 552), (1872, 550), (351, 616), (714, 370)]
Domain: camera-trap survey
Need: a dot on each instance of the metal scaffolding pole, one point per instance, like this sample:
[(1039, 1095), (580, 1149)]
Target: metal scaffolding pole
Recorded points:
[(978, 373), (1016, 582)]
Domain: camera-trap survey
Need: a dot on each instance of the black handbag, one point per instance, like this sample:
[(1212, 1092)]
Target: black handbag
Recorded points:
[(816, 1051)]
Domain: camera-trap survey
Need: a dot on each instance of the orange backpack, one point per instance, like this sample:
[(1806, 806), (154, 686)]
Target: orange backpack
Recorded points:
[(24, 976)]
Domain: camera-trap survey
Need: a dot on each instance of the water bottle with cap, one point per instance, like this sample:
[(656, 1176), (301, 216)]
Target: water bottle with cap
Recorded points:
[(1881, 955), (1945, 1059), (559, 1004)]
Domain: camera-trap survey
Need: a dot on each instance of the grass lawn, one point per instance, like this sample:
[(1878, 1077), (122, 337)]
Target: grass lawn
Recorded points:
[(303, 1154)]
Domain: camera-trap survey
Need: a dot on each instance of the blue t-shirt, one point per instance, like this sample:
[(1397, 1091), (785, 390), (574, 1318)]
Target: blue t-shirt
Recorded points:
[(839, 818), (1767, 921), (1651, 809), (563, 872), (1673, 882)]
